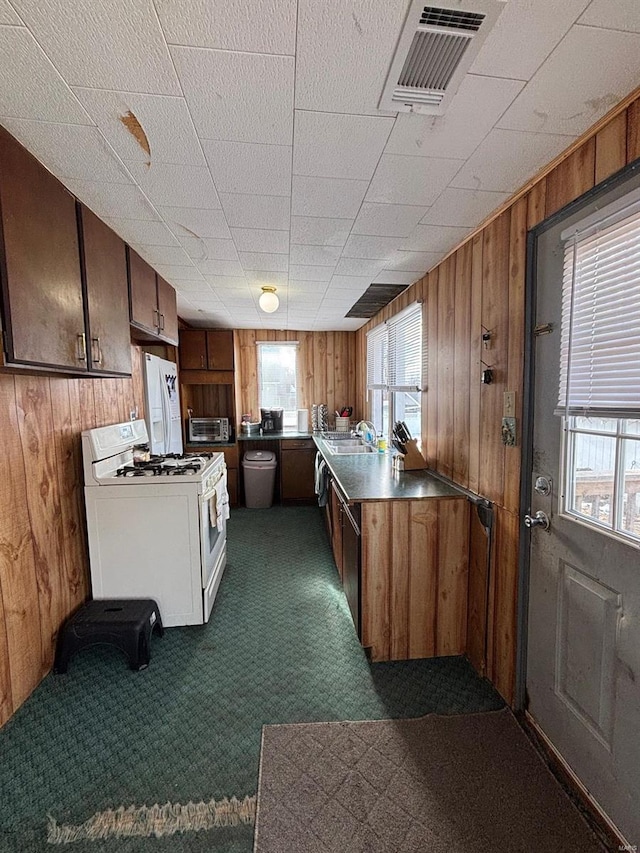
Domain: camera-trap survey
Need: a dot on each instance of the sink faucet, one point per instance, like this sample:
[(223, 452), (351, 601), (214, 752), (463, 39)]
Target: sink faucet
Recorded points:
[(368, 433)]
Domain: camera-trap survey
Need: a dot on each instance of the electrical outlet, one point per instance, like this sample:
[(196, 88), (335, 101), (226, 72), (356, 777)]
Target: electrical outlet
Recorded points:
[(133, 414), (509, 404), (509, 432)]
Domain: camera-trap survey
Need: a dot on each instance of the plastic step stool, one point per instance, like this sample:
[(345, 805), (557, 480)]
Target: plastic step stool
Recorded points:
[(126, 623)]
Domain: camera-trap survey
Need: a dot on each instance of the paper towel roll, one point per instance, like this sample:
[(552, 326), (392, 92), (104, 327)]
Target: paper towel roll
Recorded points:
[(303, 420)]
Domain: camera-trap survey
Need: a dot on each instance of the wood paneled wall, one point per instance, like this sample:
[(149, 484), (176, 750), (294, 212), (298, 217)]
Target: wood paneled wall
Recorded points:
[(480, 288), (326, 369), (43, 556)]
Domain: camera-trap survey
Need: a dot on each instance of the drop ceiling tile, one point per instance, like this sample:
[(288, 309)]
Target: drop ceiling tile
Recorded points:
[(506, 159), (349, 76), (169, 255), (224, 268), (589, 88), (315, 255), (215, 250), (179, 273), (31, 86), (410, 180), (478, 104), (320, 231), (193, 222), (612, 14), (142, 231), (396, 277), (263, 276), (171, 185), (334, 145), (434, 238), (311, 272), (370, 247), (327, 197), (256, 211), (113, 44), (417, 262), (227, 282), (466, 208), (387, 220), (264, 261), (245, 97), (129, 202), (359, 267), (352, 283), (165, 122), (240, 167), (523, 37), (264, 26), (69, 150), (261, 240), (8, 15)]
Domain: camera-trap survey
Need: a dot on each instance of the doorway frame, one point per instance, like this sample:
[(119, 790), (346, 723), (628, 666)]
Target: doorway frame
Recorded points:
[(530, 293)]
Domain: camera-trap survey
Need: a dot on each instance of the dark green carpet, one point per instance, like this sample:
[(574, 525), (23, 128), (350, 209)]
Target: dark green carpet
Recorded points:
[(280, 647)]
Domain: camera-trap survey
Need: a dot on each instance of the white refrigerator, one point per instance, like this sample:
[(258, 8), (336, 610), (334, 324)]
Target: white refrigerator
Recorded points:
[(162, 405)]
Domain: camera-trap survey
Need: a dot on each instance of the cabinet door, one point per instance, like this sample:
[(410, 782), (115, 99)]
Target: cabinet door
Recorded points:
[(220, 349), (232, 485), (40, 267), (193, 349), (143, 294), (167, 311), (105, 265), (297, 472)]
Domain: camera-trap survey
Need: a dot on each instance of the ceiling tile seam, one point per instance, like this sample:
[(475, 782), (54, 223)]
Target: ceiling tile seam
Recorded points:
[(244, 142), (579, 23), (204, 49), (175, 70), (16, 26)]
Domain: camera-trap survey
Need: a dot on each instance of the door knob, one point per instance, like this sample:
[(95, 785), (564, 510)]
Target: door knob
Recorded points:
[(540, 519)]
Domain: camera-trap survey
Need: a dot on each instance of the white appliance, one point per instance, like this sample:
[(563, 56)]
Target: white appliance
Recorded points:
[(162, 405), (156, 529)]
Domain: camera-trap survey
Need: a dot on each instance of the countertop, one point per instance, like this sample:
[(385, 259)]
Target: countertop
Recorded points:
[(369, 477), (275, 436)]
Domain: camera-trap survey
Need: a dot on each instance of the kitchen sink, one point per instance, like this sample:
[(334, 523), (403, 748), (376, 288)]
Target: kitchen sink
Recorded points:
[(349, 447)]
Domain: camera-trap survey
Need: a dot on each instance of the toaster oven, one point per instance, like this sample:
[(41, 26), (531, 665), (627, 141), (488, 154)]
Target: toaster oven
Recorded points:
[(208, 430)]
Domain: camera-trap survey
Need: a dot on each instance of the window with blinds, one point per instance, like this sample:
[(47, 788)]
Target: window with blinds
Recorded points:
[(278, 378), (599, 388), (395, 371)]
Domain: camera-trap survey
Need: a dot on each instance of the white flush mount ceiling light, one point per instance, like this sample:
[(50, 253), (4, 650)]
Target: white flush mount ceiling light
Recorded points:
[(268, 301)]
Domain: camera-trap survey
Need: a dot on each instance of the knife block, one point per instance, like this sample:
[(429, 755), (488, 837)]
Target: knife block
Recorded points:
[(413, 460)]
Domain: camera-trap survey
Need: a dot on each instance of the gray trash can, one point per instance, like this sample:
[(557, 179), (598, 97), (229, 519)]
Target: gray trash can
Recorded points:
[(259, 468)]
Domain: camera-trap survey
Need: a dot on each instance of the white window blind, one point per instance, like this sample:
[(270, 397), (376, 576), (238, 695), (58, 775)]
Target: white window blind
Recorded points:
[(600, 340), (377, 357), (278, 377), (405, 350)]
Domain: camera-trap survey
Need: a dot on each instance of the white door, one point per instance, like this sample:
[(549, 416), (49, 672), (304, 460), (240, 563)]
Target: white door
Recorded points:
[(583, 628)]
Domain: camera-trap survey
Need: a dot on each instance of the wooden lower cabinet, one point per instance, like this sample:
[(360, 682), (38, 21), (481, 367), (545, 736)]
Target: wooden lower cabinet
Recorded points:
[(407, 572), (297, 470)]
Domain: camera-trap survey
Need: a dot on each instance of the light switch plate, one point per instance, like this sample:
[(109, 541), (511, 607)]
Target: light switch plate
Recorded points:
[(509, 404)]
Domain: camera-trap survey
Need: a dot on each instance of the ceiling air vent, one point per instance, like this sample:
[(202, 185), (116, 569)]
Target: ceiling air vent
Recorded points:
[(436, 47)]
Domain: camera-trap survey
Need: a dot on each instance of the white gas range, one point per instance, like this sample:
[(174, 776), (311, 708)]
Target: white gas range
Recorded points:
[(156, 529)]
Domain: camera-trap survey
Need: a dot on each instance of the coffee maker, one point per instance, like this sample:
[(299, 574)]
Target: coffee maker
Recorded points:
[(271, 420)]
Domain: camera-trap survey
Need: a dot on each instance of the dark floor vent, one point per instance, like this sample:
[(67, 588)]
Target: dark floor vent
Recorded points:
[(375, 297)]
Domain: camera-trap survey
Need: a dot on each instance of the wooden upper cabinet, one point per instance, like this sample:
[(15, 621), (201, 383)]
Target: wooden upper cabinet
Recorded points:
[(210, 349), (193, 349), (143, 294), (167, 311), (152, 302), (105, 264), (220, 349), (40, 264)]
